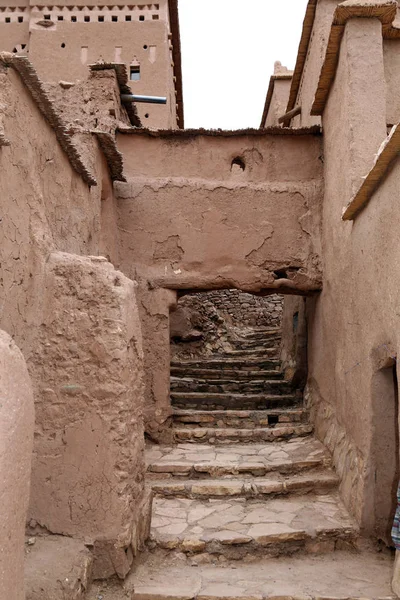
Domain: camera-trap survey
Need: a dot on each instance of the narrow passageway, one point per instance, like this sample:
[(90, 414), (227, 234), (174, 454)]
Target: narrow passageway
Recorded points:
[(246, 500)]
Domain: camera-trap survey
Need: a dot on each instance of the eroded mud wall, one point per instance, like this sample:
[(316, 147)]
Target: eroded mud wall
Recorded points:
[(354, 324), (208, 211), (73, 317)]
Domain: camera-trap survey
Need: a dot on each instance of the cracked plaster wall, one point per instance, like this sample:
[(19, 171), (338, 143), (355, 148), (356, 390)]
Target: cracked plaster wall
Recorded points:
[(198, 222), (45, 208)]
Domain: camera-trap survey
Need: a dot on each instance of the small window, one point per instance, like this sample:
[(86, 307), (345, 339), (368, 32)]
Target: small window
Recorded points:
[(63, 45), (86, 18), (114, 18), (141, 17), (73, 19), (60, 18), (8, 20), (147, 115), (155, 17), (23, 46), (20, 19), (47, 17), (128, 18), (100, 18), (134, 73)]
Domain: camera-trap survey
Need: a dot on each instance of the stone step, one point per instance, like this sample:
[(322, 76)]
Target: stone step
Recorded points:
[(250, 364), (240, 527), (247, 487), (259, 333), (190, 384), (213, 462), (257, 344), (57, 567), (253, 352), (342, 576), (204, 401), (238, 418), (212, 435), (227, 374)]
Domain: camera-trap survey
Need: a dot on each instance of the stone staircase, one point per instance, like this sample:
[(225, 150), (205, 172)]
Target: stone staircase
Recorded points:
[(246, 502), (240, 397)]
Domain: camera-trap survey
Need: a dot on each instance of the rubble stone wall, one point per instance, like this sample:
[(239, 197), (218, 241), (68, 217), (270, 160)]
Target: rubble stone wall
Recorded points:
[(203, 323)]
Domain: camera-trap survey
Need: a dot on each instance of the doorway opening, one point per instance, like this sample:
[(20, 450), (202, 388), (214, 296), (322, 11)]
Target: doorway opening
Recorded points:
[(235, 351), (385, 449)]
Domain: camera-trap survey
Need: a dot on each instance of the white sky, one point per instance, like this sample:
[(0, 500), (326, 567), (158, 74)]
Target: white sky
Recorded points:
[(228, 52)]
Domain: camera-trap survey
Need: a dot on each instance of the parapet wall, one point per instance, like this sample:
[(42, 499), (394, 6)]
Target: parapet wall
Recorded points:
[(208, 211)]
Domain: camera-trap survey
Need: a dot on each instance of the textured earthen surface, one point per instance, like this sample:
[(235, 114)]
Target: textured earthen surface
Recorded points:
[(16, 442), (88, 461), (63, 40), (57, 568), (351, 326), (259, 211), (194, 195)]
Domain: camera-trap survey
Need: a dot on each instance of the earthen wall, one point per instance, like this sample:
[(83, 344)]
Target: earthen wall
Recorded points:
[(315, 56), (217, 211), (64, 40), (392, 76), (353, 326), (75, 319)]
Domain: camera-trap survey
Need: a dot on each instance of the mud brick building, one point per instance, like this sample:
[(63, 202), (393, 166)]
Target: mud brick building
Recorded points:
[(259, 458)]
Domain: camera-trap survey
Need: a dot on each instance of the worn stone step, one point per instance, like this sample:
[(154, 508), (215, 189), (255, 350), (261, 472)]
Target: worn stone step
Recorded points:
[(209, 461), (256, 344), (247, 487), (249, 364), (57, 567), (238, 418), (226, 374), (212, 435), (231, 401), (240, 527), (340, 576), (190, 384), (254, 334), (253, 352)]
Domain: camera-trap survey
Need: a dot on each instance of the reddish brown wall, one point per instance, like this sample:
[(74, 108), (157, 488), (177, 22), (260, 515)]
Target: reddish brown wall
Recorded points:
[(189, 220), (354, 323), (16, 442), (316, 53), (57, 307), (63, 49)]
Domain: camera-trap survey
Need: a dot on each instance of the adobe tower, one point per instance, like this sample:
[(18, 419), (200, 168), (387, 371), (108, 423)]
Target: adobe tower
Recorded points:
[(62, 39)]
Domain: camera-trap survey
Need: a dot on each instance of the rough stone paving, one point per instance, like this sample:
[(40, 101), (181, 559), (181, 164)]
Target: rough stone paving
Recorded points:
[(243, 517)]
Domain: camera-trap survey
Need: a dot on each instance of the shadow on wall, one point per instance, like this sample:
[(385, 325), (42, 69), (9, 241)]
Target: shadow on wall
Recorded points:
[(385, 449)]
